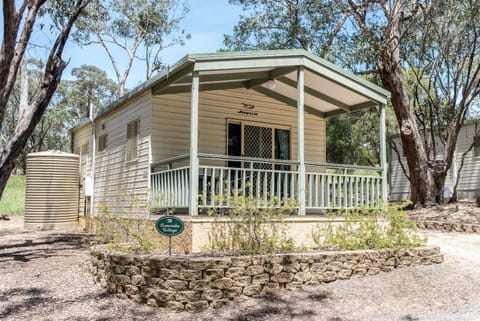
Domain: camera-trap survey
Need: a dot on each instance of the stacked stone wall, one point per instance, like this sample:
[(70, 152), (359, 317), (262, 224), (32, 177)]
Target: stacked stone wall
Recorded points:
[(196, 283), (448, 226)]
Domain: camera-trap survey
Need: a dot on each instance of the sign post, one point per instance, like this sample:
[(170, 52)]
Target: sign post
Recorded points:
[(169, 226)]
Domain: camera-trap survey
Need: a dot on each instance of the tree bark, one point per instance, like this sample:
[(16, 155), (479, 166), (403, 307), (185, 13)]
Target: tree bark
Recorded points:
[(52, 76), (423, 177)]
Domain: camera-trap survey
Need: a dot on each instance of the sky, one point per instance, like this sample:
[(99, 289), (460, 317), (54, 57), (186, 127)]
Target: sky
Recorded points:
[(207, 22)]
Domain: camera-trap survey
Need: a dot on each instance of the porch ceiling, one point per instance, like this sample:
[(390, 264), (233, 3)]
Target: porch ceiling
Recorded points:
[(328, 90)]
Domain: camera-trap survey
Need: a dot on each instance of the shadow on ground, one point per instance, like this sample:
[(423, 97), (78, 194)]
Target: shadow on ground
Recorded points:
[(274, 304), (49, 246), (31, 298), (17, 301)]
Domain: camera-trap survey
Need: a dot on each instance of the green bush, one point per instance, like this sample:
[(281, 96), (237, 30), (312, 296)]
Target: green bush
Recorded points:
[(130, 230), (250, 225), (13, 198), (125, 234), (377, 229)]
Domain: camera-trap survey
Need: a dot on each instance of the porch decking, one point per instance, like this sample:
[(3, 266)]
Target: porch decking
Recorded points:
[(328, 186)]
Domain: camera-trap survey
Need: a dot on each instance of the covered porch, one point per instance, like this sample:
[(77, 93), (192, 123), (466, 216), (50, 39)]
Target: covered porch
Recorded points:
[(263, 151)]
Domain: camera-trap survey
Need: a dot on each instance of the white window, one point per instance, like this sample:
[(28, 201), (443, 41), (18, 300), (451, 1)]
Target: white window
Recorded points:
[(102, 142), (476, 146), (131, 148)]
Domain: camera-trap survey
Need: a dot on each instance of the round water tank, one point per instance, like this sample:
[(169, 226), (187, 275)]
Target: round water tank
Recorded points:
[(51, 198)]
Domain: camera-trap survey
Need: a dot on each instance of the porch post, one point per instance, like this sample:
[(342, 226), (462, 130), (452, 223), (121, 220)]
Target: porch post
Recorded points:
[(193, 192), (301, 139), (383, 153)]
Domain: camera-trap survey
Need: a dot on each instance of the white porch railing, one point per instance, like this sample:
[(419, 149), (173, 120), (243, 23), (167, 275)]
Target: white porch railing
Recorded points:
[(170, 188), (221, 176), (218, 183), (337, 191)]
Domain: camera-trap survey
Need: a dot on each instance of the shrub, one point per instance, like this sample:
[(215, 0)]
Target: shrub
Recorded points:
[(389, 228), (251, 225), (130, 230), (126, 234)]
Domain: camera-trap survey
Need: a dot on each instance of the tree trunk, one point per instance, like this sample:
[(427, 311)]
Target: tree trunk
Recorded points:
[(51, 78), (423, 178)]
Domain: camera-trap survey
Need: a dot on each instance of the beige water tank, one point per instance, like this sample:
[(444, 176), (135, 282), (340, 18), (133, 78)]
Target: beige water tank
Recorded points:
[(51, 198)]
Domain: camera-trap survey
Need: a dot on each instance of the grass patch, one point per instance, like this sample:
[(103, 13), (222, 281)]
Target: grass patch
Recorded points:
[(13, 198)]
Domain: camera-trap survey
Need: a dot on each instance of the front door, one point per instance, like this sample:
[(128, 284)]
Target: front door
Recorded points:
[(263, 142), (250, 140), (258, 143)]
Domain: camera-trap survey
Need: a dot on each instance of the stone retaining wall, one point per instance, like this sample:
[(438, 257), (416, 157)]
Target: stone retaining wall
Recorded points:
[(196, 283), (448, 226)]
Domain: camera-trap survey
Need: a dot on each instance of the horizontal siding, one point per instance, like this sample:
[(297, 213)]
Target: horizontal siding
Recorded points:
[(171, 122), (118, 183), (469, 182), (80, 138)]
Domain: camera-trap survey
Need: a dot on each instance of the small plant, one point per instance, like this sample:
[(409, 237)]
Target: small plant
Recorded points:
[(377, 229), (251, 225), (126, 234), (129, 228)]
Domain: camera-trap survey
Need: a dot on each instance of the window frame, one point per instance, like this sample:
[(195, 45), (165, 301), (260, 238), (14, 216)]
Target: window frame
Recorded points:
[(272, 126), (129, 140), (476, 147), (102, 143)]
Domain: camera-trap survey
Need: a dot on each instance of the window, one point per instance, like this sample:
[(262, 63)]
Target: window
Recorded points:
[(258, 141), (102, 142), (85, 149), (131, 148), (476, 146)]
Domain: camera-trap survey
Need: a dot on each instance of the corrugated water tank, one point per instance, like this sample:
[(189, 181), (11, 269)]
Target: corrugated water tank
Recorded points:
[(52, 188)]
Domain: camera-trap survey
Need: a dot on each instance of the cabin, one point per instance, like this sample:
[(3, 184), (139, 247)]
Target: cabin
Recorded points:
[(229, 123), (468, 149)]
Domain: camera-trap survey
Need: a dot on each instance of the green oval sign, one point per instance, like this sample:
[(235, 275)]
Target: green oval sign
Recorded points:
[(169, 225)]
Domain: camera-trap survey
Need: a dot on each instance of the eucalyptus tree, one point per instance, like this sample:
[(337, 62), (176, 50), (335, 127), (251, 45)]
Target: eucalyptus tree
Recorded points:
[(18, 26), (443, 58), (438, 41), (313, 25), (130, 30), (68, 107), (89, 91)]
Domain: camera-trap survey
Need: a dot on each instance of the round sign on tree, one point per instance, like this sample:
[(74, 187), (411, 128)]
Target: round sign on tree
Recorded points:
[(169, 225)]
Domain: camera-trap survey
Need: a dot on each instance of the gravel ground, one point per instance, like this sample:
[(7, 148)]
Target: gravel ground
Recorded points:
[(461, 212), (44, 276)]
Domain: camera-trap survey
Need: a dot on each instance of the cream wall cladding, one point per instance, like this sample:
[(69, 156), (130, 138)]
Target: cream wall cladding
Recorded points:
[(469, 176), (120, 184), (171, 122)]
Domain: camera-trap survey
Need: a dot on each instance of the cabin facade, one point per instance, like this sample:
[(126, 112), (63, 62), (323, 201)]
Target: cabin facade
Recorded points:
[(468, 177), (216, 125)]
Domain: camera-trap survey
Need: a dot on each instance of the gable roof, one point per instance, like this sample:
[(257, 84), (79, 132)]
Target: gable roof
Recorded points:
[(328, 89)]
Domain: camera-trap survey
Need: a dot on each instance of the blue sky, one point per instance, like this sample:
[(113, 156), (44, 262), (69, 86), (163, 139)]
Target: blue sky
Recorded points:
[(207, 22)]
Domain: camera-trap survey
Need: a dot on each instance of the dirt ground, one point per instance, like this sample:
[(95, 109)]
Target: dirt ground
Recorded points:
[(44, 276), (462, 212)]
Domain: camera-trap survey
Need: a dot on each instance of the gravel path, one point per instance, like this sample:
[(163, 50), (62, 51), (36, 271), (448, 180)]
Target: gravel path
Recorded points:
[(44, 276)]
